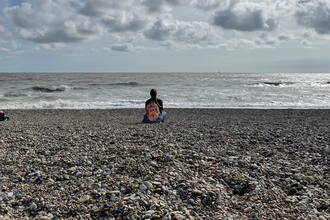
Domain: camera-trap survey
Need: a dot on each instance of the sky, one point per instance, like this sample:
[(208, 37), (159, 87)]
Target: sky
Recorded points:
[(165, 36)]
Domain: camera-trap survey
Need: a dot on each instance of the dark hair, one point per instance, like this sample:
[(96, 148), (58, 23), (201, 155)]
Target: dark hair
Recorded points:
[(153, 94)]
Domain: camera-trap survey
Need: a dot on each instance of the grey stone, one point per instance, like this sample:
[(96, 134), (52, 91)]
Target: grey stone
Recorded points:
[(148, 184), (167, 158), (143, 187), (33, 206)]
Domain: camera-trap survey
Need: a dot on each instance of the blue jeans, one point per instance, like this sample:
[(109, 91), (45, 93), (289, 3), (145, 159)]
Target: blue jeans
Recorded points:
[(163, 116)]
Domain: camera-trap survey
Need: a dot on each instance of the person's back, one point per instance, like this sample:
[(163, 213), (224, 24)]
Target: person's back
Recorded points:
[(154, 109), (3, 117)]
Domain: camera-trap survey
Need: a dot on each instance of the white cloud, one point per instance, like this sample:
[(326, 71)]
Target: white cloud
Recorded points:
[(48, 21), (5, 34), (4, 49), (54, 24), (208, 5), (244, 16), (171, 45), (314, 14)]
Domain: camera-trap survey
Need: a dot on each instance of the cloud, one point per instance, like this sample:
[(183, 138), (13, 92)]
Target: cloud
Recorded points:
[(99, 8), (158, 6), (154, 6), (63, 32), (178, 2), (4, 49), (314, 14), (265, 39), (171, 45), (305, 43), (170, 24), (70, 21), (21, 16), (51, 46), (5, 34), (190, 32), (246, 17), (123, 23), (125, 47), (160, 31), (284, 37), (207, 5), (48, 21)]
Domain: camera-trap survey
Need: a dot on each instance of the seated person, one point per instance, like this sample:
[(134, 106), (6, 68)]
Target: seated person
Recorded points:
[(3, 117), (154, 109)]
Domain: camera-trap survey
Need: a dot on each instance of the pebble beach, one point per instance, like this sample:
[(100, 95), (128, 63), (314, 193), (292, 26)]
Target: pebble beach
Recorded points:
[(199, 164)]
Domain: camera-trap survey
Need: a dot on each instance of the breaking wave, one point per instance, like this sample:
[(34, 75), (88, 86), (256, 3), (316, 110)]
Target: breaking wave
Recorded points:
[(116, 84), (61, 88), (69, 104), (277, 84)]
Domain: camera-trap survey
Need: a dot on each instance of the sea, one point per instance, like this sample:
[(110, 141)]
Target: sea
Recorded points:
[(177, 90)]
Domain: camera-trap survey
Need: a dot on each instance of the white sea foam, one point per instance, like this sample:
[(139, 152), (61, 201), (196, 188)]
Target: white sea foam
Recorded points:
[(60, 88), (68, 104)]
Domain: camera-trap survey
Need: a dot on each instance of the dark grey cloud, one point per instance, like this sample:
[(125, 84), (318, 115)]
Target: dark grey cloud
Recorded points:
[(154, 5), (178, 2), (283, 37), (159, 31), (314, 14), (249, 21), (89, 9), (127, 47)]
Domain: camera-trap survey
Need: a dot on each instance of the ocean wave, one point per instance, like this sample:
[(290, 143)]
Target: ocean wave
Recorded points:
[(57, 104), (320, 84), (12, 94), (275, 84), (68, 104), (116, 84), (61, 88)]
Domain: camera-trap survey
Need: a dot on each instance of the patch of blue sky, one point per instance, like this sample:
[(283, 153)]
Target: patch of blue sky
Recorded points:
[(11, 3)]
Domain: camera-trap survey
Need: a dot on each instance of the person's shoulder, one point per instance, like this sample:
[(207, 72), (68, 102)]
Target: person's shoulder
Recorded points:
[(149, 100)]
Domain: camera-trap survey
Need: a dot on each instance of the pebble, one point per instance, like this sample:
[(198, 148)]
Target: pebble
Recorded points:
[(33, 206), (143, 187), (231, 164), (167, 158), (148, 185), (84, 198), (308, 179)]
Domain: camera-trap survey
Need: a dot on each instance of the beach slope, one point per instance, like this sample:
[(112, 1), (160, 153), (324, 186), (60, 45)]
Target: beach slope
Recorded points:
[(199, 164)]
